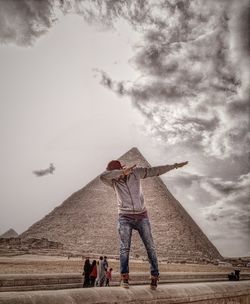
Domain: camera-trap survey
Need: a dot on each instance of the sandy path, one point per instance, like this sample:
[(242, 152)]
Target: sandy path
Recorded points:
[(54, 264)]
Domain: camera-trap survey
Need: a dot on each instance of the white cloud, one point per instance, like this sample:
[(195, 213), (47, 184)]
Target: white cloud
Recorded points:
[(231, 204), (189, 88), (220, 206)]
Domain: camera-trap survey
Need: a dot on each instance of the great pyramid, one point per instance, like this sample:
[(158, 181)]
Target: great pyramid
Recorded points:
[(87, 221)]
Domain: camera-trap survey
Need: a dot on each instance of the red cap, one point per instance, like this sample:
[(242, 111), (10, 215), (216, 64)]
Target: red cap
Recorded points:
[(114, 165)]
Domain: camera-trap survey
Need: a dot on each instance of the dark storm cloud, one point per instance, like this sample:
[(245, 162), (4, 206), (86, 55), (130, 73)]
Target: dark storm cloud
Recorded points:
[(106, 81), (156, 91), (21, 22), (188, 59), (190, 75), (240, 43), (152, 59), (201, 123), (105, 13), (224, 201), (185, 179), (228, 187), (231, 202), (159, 91), (194, 61)]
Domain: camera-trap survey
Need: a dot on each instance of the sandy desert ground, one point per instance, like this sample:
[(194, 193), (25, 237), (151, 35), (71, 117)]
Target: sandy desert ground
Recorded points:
[(57, 264)]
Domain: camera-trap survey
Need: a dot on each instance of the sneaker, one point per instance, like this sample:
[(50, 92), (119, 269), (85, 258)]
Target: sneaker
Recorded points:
[(124, 280), (154, 281)]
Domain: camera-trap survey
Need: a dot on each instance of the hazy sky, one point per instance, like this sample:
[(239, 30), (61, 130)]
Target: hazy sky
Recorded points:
[(81, 82)]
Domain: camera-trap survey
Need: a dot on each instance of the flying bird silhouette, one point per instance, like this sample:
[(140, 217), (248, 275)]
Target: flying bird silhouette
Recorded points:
[(43, 172)]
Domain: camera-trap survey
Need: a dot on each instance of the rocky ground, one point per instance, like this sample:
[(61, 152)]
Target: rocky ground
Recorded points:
[(58, 264)]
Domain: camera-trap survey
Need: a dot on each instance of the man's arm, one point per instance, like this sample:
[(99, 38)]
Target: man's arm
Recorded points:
[(159, 170), (113, 174), (107, 176)]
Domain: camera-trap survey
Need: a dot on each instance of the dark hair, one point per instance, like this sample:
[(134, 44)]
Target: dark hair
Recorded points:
[(114, 165), (92, 265), (87, 262), (101, 258)]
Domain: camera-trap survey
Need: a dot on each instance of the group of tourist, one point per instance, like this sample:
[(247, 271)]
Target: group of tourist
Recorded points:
[(96, 273)]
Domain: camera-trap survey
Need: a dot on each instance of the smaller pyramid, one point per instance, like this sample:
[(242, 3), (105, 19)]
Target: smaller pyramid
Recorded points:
[(11, 233)]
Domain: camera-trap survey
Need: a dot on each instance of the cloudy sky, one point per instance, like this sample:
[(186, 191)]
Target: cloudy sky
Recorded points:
[(81, 82)]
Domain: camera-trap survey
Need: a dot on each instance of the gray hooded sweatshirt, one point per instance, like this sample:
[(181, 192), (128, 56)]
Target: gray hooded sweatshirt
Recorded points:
[(128, 190)]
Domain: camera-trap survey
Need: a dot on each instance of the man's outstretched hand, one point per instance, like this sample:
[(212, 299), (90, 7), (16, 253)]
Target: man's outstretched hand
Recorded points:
[(179, 165), (128, 170)]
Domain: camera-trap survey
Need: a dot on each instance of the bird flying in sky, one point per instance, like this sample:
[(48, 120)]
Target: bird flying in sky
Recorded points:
[(43, 172)]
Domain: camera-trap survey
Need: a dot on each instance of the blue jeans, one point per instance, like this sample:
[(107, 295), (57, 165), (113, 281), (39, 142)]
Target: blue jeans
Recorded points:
[(125, 227)]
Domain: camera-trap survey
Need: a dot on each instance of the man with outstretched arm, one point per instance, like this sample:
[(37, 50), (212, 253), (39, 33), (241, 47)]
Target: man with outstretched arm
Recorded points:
[(132, 211)]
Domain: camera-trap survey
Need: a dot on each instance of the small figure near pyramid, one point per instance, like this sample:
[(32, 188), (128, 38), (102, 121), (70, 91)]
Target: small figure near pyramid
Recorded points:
[(132, 211), (43, 172)]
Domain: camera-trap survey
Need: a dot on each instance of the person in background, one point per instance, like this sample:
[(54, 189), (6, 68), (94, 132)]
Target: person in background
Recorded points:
[(105, 263), (93, 273), (105, 266), (86, 273), (101, 272), (132, 212), (108, 276), (98, 274)]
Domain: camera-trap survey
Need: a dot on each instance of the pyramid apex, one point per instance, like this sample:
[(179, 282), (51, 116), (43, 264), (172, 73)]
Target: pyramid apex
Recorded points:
[(134, 156), (134, 149)]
